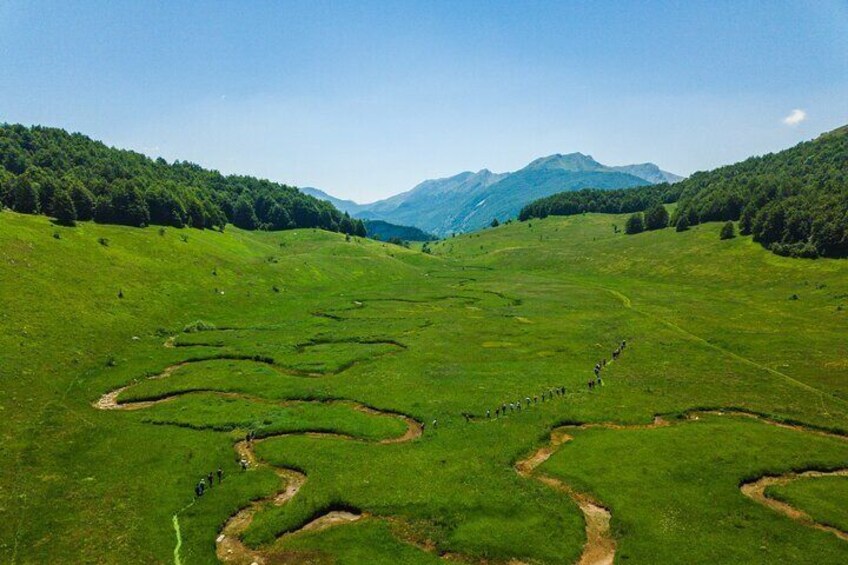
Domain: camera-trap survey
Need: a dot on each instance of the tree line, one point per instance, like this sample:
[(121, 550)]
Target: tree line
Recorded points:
[(72, 177), (794, 202), (618, 201)]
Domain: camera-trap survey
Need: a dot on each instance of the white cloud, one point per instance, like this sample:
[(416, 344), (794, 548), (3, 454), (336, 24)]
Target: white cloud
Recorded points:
[(795, 117)]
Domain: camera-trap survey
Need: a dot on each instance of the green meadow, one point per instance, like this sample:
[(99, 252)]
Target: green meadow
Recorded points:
[(333, 350)]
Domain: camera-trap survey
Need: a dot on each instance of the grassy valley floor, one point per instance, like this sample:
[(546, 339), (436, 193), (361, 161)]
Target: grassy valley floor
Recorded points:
[(366, 371)]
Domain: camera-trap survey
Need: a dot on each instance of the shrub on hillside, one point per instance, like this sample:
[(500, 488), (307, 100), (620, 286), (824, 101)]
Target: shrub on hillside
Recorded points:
[(656, 217), (198, 326), (727, 230), (682, 223), (635, 224)]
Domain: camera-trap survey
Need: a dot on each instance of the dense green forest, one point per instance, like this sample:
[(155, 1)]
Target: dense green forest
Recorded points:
[(619, 201), (72, 177), (378, 229), (794, 202)]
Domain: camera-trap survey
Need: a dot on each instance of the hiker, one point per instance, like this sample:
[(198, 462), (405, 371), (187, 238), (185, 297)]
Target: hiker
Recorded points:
[(535, 399), (591, 384), (220, 475), (197, 490), (201, 486), (211, 478), (488, 413), (518, 406), (434, 424), (604, 362), (243, 464), (623, 343), (527, 400)]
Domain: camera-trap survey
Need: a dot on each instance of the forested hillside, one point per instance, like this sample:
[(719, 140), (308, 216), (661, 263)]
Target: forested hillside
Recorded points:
[(621, 201), (378, 229), (794, 202), (72, 177)]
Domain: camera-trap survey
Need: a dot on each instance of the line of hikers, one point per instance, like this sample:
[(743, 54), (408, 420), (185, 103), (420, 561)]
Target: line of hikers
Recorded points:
[(201, 486), (597, 381), (517, 406)]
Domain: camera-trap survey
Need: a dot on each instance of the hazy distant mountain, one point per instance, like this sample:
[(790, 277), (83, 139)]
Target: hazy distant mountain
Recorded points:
[(433, 205), (650, 173), (470, 201), (348, 206)]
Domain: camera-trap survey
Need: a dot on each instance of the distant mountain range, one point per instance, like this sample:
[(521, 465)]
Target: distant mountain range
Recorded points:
[(470, 201)]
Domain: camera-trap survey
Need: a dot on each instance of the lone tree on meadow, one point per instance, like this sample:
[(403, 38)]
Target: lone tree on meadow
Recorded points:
[(727, 231), (656, 217), (635, 224), (495, 223), (63, 207), (682, 223)]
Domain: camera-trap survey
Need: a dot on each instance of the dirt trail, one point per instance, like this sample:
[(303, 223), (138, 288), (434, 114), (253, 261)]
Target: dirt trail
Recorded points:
[(228, 545), (755, 490), (600, 545)]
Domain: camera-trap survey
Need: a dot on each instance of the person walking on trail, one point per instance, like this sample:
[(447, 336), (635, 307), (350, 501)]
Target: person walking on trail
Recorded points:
[(243, 464), (201, 487), (434, 424), (488, 413), (220, 474), (527, 400), (211, 477)]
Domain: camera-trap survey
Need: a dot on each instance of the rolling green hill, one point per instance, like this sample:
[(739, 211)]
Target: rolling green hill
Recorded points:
[(69, 176), (136, 361)]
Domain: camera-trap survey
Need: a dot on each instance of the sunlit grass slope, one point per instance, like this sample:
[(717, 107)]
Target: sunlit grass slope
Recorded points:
[(307, 334)]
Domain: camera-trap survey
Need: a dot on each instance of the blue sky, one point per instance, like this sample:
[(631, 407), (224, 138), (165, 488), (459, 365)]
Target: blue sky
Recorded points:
[(366, 99)]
